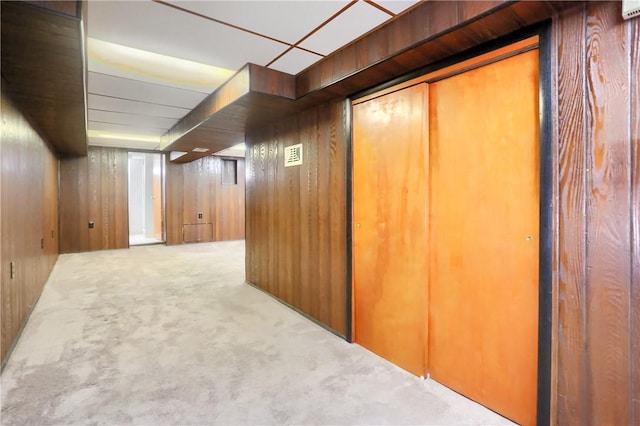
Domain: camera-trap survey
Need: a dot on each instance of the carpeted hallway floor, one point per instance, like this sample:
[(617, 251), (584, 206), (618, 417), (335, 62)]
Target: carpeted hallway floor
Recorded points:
[(172, 335)]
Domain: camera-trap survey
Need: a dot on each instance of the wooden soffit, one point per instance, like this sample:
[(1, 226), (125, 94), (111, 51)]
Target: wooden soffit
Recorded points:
[(43, 72), (426, 34), (252, 96)]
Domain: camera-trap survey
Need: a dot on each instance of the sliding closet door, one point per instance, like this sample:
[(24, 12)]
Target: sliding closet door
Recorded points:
[(484, 233), (390, 162)]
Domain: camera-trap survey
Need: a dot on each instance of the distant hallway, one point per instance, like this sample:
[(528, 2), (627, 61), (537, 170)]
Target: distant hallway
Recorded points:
[(172, 335)]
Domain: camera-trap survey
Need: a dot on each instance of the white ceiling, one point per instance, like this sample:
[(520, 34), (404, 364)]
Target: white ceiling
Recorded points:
[(151, 62)]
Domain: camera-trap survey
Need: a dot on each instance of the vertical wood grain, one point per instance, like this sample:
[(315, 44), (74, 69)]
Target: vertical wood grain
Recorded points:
[(634, 301), (608, 215), (174, 184), (197, 187), (28, 220), (94, 188), (572, 365), (323, 152), (597, 122), (339, 135), (296, 215)]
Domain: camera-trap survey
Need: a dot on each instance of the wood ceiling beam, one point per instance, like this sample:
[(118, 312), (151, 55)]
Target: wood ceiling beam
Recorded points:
[(430, 32), (230, 108), (43, 69)]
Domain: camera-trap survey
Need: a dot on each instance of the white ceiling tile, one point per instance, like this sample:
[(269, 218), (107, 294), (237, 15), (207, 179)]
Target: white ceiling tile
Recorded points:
[(351, 24), (396, 6), (295, 61), (106, 103), (162, 29), (124, 129), (122, 61), (130, 119), (286, 21), (123, 143), (101, 84)]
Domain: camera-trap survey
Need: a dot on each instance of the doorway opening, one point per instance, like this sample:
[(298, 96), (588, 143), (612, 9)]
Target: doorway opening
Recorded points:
[(146, 201)]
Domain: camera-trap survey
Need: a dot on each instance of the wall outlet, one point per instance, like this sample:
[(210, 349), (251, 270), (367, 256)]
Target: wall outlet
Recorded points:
[(12, 269), (91, 224), (200, 215)]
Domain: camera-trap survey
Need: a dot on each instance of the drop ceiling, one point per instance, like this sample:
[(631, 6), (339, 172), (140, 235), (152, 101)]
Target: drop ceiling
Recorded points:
[(151, 62)]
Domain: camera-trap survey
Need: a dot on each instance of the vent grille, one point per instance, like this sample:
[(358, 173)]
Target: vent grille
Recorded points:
[(293, 155), (630, 9)]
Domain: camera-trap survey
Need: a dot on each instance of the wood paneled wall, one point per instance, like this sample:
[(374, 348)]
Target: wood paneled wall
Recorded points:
[(28, 220), (197, 187), (598, 133), (94, 188), (296, 216), (296, 221)]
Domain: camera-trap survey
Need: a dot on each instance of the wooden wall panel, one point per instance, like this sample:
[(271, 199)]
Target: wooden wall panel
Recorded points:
[(29, 220), (634, 303), (571, 336), (608, 213), (197, 187), (596, 135), (597, 125), (94, 188), (296, 216)]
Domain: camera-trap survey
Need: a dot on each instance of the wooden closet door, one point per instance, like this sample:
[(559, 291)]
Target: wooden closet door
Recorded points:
[(390, 161), (484, 232)]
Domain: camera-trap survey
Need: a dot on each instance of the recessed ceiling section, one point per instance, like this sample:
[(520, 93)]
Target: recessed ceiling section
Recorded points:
[(123, 143), (131, 119), (397, 6), (349, 25), (122, 61), (106, 103), (286, 21), (124, 88), (122, 131), (162, 29), (152, 62), (295, 61)]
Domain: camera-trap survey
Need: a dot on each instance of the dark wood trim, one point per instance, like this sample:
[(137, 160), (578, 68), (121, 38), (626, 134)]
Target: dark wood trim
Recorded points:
[(316, 29), (226, 24), (432, 31), (466, 61), (547, 232), (411, 41), (379, 7), (252, 95), (349, 221), (43, 64)]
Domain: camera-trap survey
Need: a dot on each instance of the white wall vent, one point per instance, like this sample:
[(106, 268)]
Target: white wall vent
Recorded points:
[(630, 9), (293, 155)]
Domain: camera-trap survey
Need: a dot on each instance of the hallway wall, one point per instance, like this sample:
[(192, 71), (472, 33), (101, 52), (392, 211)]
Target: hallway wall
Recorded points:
[(197, 187), (598, 136), (296, 217), (28, 219), (94, 188)]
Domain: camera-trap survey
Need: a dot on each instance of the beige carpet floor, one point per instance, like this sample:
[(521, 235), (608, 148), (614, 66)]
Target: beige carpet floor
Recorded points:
[(171, 335)]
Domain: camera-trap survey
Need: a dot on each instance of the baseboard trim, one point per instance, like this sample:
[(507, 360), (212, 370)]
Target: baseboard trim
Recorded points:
[(302, 313)]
